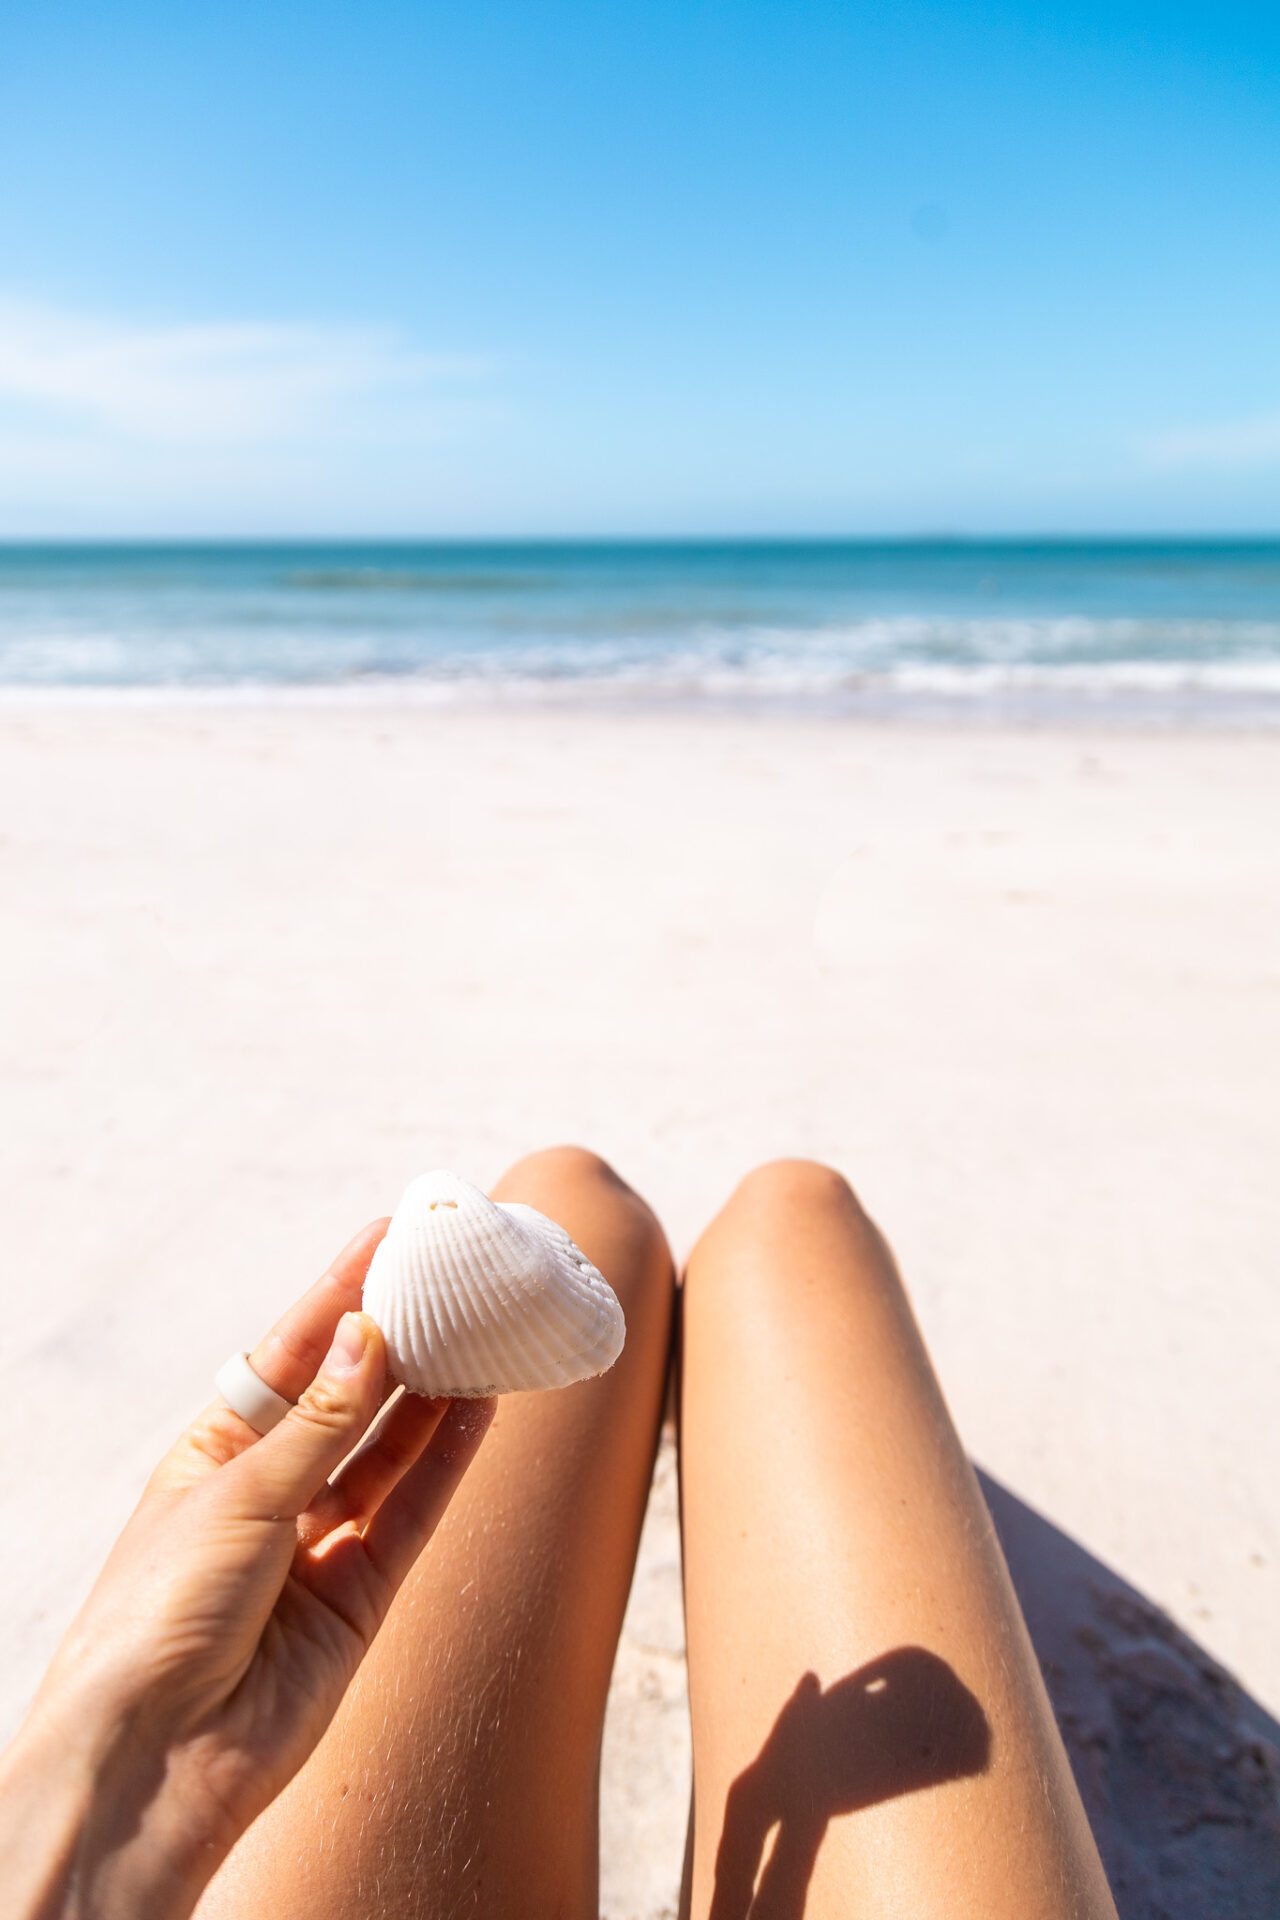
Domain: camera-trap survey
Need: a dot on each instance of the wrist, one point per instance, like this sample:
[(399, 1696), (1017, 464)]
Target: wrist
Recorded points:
[(81, 1828), (46, 1793)]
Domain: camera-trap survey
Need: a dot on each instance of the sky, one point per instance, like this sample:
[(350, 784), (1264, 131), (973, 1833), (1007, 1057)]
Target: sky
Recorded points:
[(586, 268)]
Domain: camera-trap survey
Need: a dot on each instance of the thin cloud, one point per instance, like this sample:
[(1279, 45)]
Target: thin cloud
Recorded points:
[(1231, 445), (208, 384)]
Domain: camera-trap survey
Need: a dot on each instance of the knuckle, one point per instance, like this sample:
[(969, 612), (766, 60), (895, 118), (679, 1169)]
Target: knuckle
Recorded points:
[(326, 1405)]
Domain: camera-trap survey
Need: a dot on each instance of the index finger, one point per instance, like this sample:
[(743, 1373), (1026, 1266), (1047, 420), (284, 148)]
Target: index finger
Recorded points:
[(288, 1359)]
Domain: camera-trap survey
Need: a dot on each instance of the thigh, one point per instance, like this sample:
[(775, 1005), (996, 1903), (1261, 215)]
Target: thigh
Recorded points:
[(460, 1774), (871, 1733)]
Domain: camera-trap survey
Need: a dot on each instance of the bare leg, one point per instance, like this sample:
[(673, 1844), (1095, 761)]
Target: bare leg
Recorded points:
[(871, 1734), (461, 1774)]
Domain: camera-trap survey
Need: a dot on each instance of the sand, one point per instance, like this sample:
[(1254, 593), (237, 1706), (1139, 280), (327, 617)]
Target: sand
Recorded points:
[(261, 965)]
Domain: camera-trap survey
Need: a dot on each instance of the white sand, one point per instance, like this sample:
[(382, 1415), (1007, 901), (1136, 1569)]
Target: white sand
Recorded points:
[(262, 966)]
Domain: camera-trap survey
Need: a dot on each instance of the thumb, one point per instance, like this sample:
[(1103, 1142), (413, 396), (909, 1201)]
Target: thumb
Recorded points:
[(281, 1474)]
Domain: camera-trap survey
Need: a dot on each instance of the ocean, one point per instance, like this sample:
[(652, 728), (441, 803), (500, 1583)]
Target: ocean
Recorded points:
[(1145, 629)]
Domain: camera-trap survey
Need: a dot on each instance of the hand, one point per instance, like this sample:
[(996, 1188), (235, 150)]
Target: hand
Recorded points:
[(228, 1620)]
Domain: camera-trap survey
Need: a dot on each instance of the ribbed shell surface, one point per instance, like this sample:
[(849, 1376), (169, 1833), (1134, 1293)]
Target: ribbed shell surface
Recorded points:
[(476, 1297)]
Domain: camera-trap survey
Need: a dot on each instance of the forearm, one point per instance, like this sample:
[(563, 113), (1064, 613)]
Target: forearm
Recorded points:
[(46, 1802), (78, 1826)]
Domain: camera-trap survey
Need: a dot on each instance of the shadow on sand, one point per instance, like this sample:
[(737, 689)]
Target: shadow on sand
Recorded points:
[(1178, 1767)]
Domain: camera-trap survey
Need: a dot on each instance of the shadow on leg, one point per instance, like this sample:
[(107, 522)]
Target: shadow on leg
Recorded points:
[(844, 1583), (895, 1726)]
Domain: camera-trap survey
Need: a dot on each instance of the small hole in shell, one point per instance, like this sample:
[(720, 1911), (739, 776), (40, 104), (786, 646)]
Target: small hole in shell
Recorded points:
[(444, 1203)]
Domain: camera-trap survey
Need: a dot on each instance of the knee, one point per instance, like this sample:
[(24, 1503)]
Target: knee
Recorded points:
[(782, 1208), (783, 1189), (560, 1181), (565, 1167)]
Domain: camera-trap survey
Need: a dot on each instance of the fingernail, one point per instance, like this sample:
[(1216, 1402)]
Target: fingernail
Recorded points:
[(348, 1346)]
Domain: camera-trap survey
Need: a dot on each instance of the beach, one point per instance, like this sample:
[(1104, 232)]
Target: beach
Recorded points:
[(265, 961)]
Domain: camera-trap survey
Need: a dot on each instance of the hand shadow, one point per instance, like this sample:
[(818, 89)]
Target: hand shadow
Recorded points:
[(898, 1724)]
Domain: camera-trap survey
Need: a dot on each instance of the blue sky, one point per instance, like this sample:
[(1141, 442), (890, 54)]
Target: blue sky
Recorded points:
[(594, 268)]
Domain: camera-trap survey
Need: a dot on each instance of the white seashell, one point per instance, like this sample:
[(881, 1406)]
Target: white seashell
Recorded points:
[(476, 1296)]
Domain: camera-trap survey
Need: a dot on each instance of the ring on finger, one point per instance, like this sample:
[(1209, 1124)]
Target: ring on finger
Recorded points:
[(248, 1394)]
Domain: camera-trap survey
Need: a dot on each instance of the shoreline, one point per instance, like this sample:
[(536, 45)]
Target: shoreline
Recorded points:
[(1192, 711)]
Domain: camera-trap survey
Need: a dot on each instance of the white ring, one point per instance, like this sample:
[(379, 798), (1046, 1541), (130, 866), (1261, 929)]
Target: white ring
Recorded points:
[(248, 1394)]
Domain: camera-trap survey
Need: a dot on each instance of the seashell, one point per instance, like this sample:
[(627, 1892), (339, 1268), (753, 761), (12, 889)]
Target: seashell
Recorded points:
[(476, 1296)]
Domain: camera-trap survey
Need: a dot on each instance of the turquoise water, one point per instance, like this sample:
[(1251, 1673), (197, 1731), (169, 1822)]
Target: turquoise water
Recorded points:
[(1173, 627)]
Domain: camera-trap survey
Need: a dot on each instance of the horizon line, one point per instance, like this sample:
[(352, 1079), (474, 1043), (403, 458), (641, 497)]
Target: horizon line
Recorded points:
[(1047, 537)]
